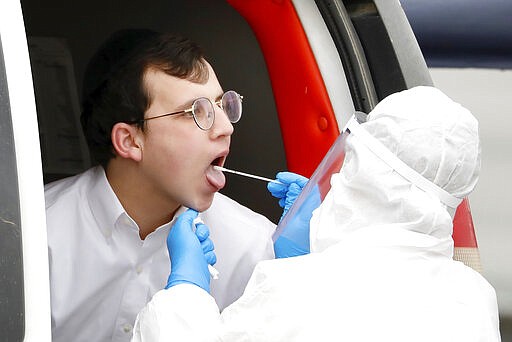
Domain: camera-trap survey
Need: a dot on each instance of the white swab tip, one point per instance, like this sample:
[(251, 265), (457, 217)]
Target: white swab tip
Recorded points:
[(213, 272)]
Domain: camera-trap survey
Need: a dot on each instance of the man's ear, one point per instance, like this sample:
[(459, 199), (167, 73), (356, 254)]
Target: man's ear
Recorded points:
[(127, 141)]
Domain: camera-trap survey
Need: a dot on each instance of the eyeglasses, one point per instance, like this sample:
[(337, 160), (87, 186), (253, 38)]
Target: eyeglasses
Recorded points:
[(204, 113)]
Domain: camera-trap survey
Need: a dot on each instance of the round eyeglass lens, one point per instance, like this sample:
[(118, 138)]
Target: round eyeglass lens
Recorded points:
[(204, 114), (232, 105)]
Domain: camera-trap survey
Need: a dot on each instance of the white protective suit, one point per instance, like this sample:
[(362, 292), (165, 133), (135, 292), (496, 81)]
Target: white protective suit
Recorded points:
[(381, 266)]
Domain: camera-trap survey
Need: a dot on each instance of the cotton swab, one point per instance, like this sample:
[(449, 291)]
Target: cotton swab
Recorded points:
[(214, 273), (220, 168)]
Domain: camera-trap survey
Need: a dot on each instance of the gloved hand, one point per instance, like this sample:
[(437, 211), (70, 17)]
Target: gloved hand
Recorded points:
[(190, 252), (294, 238), (287, 192)]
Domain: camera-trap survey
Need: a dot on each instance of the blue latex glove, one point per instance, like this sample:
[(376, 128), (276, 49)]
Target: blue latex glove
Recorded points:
[(190, 252), (294, 239), (288, 191)]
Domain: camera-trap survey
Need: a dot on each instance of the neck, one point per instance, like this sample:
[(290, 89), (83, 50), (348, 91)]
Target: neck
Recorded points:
[(138, 197)]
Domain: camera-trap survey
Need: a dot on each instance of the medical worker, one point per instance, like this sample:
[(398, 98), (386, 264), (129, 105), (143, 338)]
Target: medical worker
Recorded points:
[(157, 121), (381, 265)]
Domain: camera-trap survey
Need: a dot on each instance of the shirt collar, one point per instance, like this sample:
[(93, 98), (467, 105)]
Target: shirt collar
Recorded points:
[(104, 203)]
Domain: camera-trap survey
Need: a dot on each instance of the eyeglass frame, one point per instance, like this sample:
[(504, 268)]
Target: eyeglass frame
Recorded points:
[(217, 103)]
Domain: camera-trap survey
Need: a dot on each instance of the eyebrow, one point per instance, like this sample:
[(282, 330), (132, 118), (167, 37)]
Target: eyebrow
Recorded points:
[(187, 104)]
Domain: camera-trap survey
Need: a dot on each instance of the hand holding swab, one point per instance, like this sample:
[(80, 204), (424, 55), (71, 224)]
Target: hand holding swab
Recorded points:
[(220, 168)]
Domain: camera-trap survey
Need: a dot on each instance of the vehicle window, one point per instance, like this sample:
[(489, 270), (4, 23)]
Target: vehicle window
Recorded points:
[(351, 53), (11, 258), (77, 28), (380, 53), (364, 46)]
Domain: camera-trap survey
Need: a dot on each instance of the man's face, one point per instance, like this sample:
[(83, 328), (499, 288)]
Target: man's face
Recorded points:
[(178, 157)]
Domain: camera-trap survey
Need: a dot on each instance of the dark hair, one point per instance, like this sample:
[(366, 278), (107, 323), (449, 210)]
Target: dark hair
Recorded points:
[(114, 89)]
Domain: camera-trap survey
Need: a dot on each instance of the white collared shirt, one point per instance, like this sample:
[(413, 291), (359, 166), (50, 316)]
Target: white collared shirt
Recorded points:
[(102, 273)]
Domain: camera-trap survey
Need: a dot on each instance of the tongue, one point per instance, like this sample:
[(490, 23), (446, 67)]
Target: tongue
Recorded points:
[(215, 178)]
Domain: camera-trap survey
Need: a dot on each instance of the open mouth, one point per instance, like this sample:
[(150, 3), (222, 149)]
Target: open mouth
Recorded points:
[(219, 161), (214, 177)]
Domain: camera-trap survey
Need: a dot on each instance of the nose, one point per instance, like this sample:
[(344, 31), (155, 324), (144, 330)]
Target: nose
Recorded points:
[(221, 126)]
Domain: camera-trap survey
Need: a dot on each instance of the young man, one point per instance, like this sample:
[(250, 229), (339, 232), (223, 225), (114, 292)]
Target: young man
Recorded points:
[(156, 120), (381, 266)]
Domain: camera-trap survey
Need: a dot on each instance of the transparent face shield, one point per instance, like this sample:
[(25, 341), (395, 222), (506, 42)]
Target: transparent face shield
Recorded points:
[(317, 187)]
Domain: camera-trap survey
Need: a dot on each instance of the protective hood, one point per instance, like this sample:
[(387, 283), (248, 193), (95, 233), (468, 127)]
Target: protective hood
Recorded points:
[(373, 202)]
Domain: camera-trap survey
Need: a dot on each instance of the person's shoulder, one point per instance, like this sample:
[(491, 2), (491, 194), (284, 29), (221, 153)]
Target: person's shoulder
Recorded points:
[(227, 216), (66, 189), (229, 208), (238, 231), (474, 281)]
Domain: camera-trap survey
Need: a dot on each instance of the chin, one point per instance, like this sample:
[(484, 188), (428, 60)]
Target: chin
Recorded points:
[(202, 204)]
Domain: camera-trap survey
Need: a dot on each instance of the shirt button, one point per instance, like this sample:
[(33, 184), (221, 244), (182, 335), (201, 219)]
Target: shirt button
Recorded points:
[(127, 328), (139, 269)]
